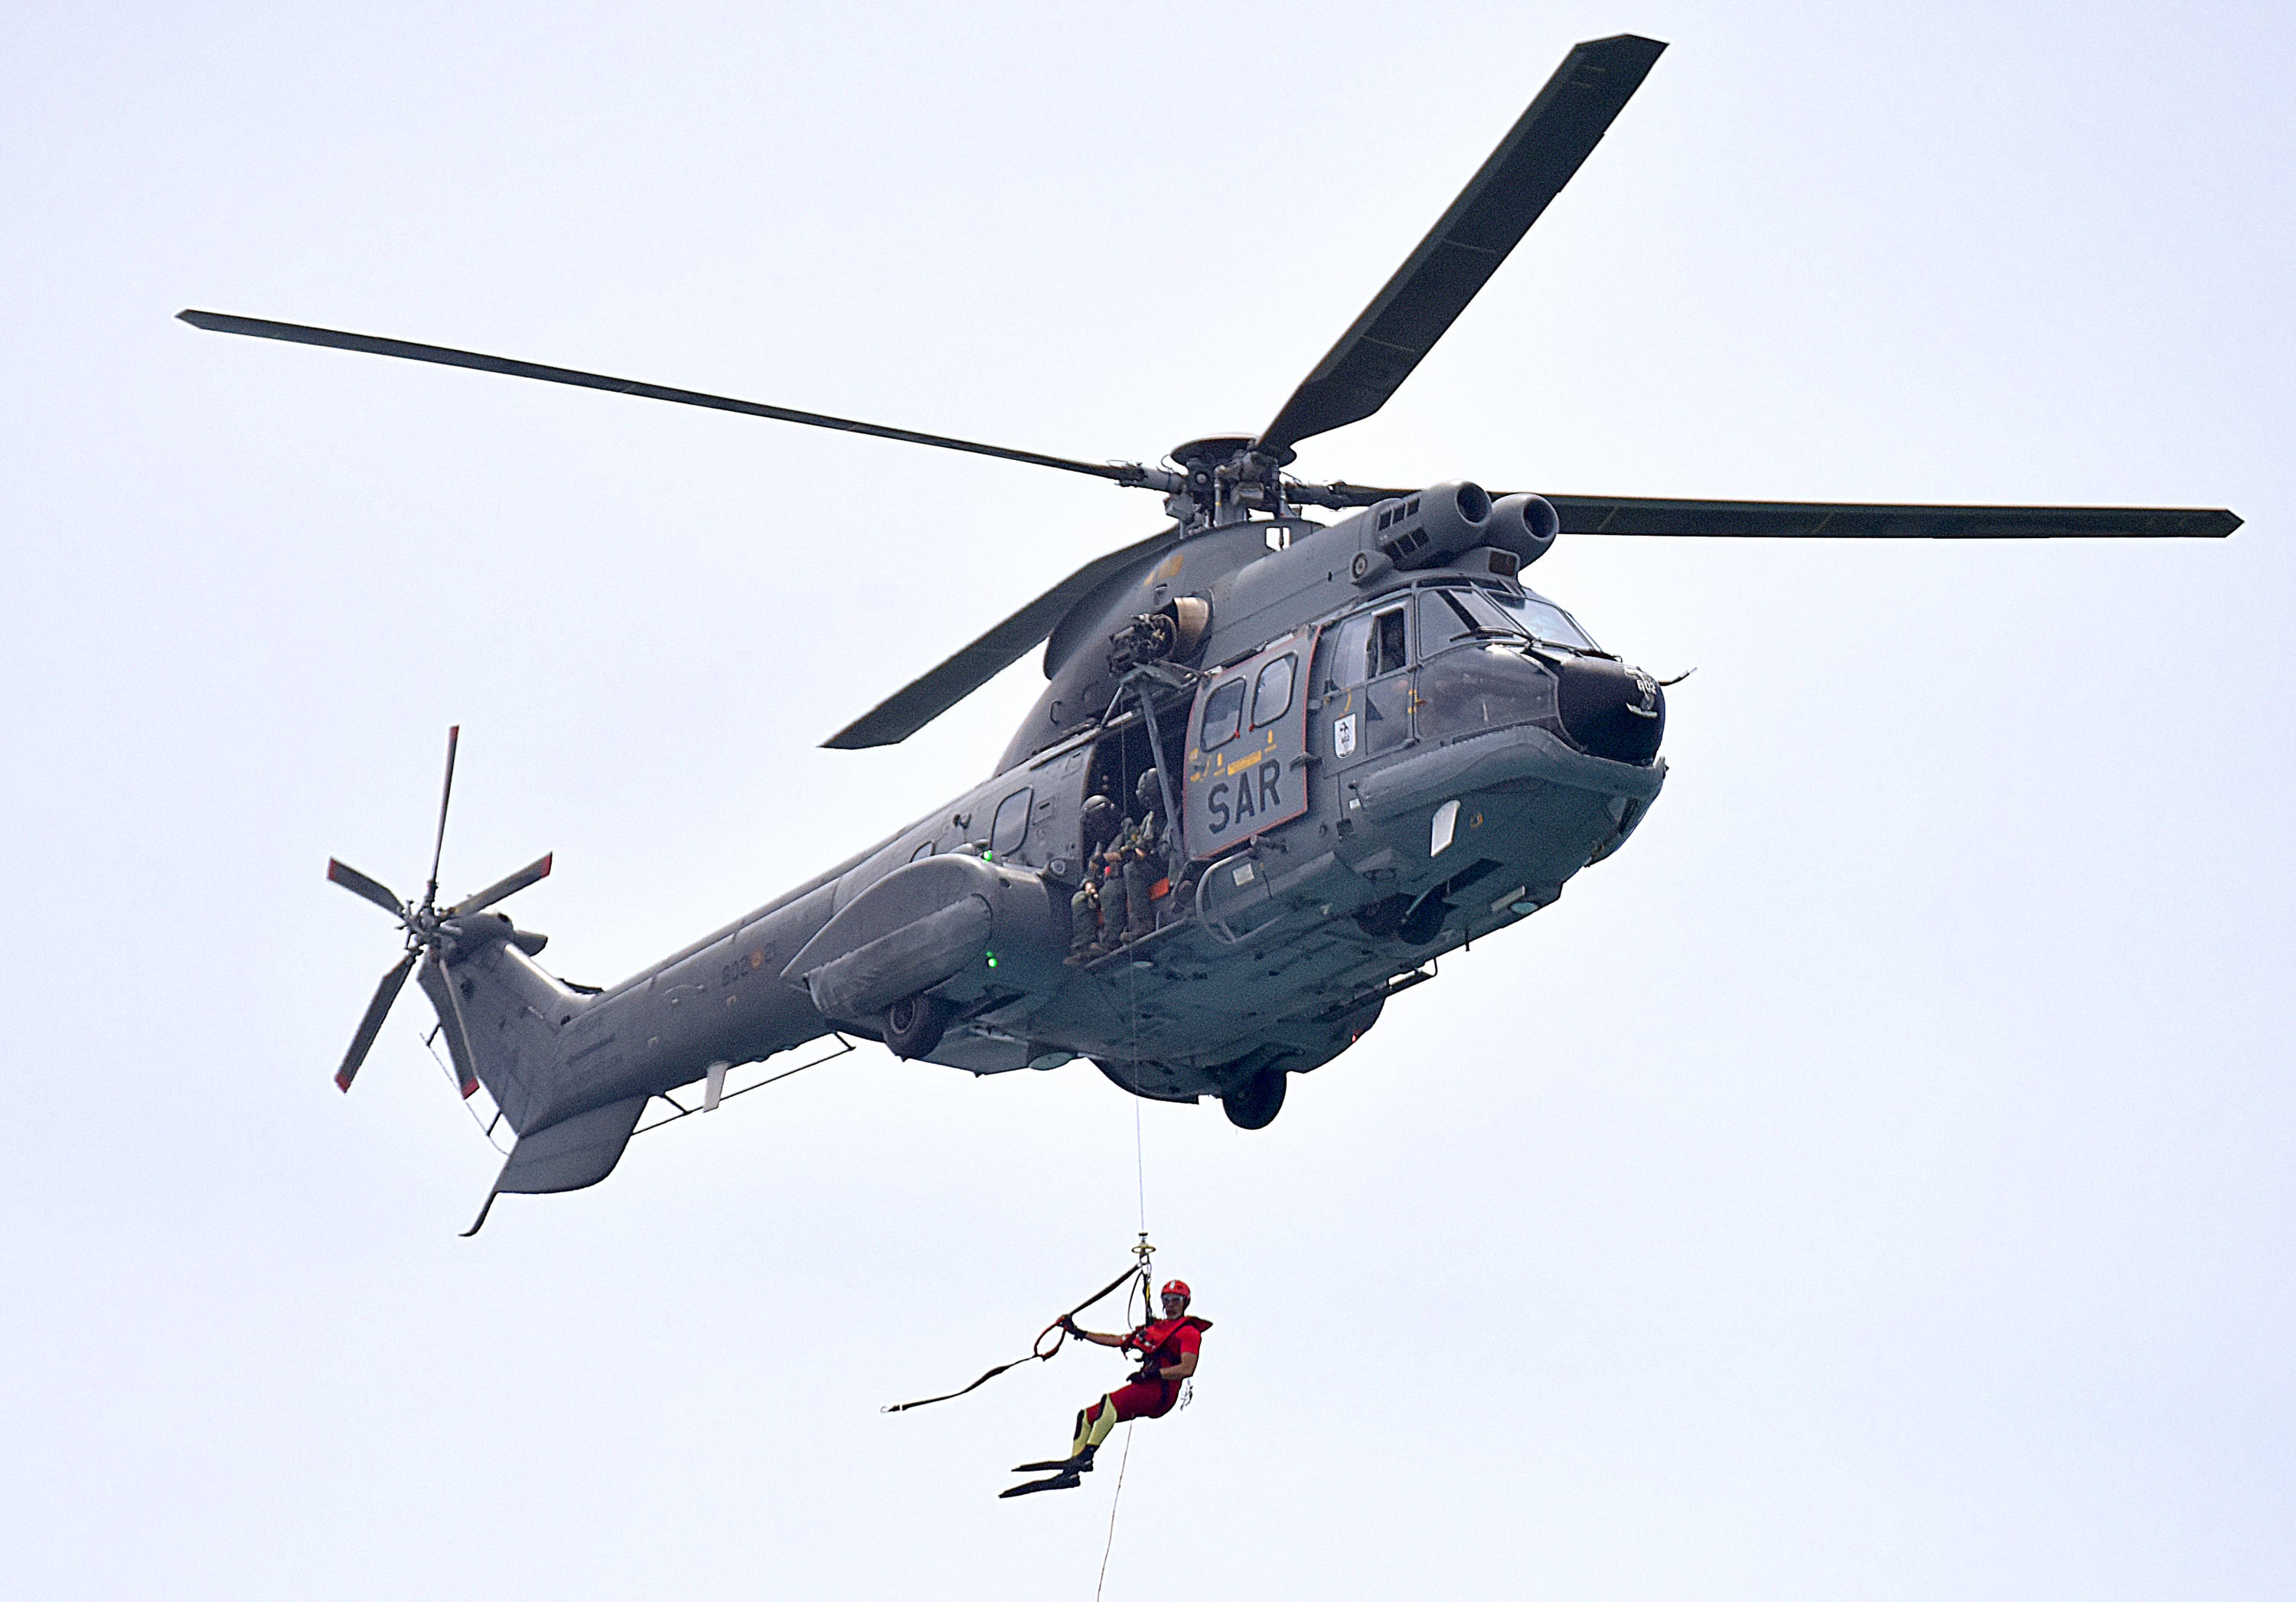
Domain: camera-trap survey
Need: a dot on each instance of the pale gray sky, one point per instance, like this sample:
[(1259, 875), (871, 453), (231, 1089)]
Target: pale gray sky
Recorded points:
[(1874, 1182)]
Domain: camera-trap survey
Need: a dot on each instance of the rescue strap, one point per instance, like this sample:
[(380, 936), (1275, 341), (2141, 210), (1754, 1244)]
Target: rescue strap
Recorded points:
[(1057, 1329)]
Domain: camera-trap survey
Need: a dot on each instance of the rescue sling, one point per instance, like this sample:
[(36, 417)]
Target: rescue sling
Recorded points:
[(1057, 1331)]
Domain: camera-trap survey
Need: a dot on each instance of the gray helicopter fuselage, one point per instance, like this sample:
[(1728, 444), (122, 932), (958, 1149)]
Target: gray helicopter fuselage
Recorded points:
[(1364, 781)]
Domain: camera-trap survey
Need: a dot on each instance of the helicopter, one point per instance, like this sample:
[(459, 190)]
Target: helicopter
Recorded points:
[(1327, 748)]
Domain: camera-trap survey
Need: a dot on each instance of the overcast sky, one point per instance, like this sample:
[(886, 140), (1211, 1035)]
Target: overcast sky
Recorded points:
[(1874, 1182)]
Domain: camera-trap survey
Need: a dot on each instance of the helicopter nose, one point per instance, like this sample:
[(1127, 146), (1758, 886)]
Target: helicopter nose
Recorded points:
[(1611, 710)]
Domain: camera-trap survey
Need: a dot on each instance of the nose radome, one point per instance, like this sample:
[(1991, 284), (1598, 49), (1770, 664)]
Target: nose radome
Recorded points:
[(1609, 710)]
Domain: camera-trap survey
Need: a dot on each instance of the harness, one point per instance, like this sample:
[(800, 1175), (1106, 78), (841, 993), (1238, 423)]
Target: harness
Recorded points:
[(1165, 1350), (1057, 1331)]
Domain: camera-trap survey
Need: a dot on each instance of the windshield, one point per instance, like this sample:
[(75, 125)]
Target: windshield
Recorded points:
[(1448, 617), (1542, 620)]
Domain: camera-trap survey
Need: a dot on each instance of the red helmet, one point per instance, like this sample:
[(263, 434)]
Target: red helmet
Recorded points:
[(1176, 1287)]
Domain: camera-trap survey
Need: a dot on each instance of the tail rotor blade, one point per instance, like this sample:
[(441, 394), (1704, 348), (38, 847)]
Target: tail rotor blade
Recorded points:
[(532, 873), (445, 795), (359, 884), (369, 1026), (439, 986)]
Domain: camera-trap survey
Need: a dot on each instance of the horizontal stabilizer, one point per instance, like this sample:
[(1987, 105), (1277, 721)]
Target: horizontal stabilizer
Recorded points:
[(567, 1156)]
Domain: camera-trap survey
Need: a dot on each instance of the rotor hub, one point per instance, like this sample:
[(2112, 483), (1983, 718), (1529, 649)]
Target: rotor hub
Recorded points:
[(1226, 478)]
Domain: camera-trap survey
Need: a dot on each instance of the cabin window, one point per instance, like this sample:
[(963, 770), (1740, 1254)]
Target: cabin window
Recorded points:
[(1272, 697), (1223, 714), (922, 852), (1011, 824)]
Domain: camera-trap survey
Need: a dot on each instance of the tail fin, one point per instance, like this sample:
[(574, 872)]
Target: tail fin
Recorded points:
[(509, 1025), (520, 1028), (507, 1016)]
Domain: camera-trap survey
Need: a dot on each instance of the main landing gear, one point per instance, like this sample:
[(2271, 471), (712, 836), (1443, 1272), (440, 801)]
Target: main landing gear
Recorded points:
[(914, 1024), (1254, 1104)]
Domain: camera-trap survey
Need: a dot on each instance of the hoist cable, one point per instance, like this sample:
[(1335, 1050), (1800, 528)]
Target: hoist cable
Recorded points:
[(1147, 1314), (1121, 1463), (1140, 1165)]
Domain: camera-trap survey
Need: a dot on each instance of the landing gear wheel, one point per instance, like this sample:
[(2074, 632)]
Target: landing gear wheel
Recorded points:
[(914, 1024), (1254, 1104)]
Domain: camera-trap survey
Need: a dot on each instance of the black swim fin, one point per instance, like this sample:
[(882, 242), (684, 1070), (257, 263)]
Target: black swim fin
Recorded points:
[(1059, 1482)]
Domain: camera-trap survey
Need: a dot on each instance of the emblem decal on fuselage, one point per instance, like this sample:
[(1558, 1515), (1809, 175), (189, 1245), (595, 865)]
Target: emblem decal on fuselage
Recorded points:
[(1648, 687)]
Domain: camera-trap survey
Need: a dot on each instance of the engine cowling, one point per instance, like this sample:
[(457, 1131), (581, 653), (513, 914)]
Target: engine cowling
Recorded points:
[(1524, 526), (935, 926), (1426, 529)]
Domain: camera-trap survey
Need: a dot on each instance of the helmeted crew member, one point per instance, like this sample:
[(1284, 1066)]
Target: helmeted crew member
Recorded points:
[(1115, 893), (1169, 1346), (1104, 876), (1143, 859), (1099, 823)]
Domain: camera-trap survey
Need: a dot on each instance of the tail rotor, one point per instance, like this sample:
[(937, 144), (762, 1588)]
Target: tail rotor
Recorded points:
[(431, 935)]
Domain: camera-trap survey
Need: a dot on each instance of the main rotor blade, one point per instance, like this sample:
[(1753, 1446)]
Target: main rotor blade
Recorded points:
[(1829, 520), (445, 795), (909, 709), (1642, 516), (369, 1026), (1537, 157), (439, 986), (359, 884), (1120, 473), (532, 873)]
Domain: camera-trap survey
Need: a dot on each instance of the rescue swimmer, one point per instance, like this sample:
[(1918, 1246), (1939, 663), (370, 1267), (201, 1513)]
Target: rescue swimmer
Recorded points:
[(1169, 1348)]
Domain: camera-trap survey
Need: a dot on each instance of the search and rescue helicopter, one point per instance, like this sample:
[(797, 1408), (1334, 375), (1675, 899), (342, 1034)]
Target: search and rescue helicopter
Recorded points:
[(1370, 742)]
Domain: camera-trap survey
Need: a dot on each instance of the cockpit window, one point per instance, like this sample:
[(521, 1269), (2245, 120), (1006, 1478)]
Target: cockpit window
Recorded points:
[(1451, 617), (1345, 655), (1541, 618), (1388, 650), (1365, 646)]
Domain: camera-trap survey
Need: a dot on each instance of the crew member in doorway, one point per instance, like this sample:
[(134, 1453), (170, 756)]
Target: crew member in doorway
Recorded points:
[(1143, 860), (1169, 1347), (1099, 823)]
